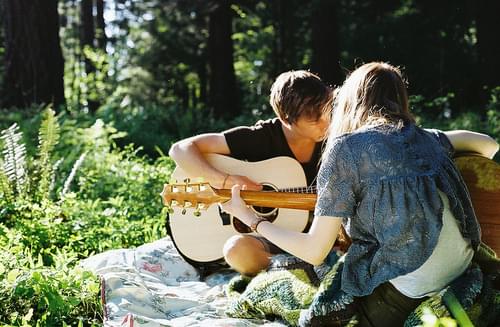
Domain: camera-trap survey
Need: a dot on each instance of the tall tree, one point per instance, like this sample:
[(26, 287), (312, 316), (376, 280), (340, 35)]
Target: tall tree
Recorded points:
[(87, 38), (34, 65), (223, 96), (488, 41), (87, 31), (286, 26), (325, 41), (100, 25), (2, 49)]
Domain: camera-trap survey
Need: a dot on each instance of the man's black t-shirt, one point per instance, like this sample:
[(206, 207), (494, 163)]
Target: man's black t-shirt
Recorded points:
[(266, 140)]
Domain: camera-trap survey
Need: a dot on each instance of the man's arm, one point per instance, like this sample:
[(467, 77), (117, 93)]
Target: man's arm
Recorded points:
[(189, 155), (467, 141)]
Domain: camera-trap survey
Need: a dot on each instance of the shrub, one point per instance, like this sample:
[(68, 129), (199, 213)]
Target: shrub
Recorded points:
[(76, 194)]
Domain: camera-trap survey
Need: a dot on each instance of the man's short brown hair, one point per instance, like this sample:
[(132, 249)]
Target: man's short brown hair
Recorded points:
[(299, 93)]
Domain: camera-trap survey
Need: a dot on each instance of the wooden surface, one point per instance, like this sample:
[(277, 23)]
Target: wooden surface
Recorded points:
[(482, 177)]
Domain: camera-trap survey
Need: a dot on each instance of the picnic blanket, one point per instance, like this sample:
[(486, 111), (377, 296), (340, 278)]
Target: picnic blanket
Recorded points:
[(153, 286)]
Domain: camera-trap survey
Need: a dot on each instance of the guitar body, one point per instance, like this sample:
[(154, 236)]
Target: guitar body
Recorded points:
[(201, 239), (482, 177)]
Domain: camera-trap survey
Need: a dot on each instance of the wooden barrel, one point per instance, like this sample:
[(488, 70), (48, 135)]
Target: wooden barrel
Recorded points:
[(482, 177)]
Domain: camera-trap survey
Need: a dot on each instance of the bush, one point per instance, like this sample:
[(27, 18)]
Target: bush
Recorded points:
[(35, 294), (436, 113), (76, 194)]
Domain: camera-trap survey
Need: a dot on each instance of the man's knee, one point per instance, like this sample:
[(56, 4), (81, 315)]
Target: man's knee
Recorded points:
[(246, 254)]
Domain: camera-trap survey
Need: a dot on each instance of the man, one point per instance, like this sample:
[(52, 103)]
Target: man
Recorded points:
[(302, 103)]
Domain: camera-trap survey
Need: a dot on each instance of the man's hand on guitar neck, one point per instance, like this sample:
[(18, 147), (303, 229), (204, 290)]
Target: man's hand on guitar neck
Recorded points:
[(229, 180), (245, 182)]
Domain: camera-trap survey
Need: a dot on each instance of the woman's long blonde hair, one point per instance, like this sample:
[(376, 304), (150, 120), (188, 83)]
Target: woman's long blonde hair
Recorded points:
[(373, 94)]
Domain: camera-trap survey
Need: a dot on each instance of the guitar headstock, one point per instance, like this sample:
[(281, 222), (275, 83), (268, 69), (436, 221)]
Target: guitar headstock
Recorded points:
[(189, 195)]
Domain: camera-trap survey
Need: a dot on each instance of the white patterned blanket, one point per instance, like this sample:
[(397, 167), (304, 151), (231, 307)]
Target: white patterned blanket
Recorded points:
[(153, 286)]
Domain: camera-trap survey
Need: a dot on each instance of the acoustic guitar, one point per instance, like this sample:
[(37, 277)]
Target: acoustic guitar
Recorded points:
[(199, 229), (200, 233)]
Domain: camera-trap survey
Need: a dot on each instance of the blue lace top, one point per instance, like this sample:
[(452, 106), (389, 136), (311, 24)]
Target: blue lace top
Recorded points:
[(384, 182)]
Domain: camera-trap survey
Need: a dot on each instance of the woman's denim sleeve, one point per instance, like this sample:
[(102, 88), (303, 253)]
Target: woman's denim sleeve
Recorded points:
[(443, 141), (336, 180)]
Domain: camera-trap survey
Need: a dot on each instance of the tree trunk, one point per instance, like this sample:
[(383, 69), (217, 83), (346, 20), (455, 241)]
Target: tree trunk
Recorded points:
[(202, 75), (34, 63), (284, 51), (325, 41), (488, 42), (87, 37), (2, 47), (100, 25), (222, 85), (87, 33)]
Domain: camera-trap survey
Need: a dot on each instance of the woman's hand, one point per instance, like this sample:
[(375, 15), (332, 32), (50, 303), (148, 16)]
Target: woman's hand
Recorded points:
[(237, 207)]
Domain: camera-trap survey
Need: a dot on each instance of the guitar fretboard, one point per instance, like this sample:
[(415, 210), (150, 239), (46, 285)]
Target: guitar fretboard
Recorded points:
[(307, 189)]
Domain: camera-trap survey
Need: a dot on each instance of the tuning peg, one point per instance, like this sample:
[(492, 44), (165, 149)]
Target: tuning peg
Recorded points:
[(187, 204), (167, 210), (197, 213), (183, 211), (173, 203), (201, 206), (187, 180)]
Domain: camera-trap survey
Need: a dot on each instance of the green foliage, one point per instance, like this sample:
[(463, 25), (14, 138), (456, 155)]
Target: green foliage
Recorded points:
[(35, 294), (97, 197), (429, 319), (437, 113), (493, 113), (150, 124), (435, 43), (253, 37)]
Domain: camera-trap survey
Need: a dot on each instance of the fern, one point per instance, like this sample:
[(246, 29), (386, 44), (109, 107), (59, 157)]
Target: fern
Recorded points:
[(71, 176), (14, 159), (48, 136), (5, 188)]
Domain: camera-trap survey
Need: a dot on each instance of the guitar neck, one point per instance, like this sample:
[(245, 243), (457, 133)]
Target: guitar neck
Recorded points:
[(288, 200)]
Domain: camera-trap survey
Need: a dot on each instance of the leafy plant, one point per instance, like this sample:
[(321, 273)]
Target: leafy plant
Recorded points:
[(47, 140), (14, 162), (35, 294), (95, 197)]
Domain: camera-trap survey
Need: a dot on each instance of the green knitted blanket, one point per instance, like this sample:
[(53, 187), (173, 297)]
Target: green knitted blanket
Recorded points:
[(300, 295)]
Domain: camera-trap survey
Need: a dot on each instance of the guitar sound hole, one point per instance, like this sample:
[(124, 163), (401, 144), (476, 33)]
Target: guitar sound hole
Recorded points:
[(269, 213), (224, 216)]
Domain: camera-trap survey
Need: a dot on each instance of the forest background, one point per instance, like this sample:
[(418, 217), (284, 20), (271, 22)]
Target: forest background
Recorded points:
[(93, 93)]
